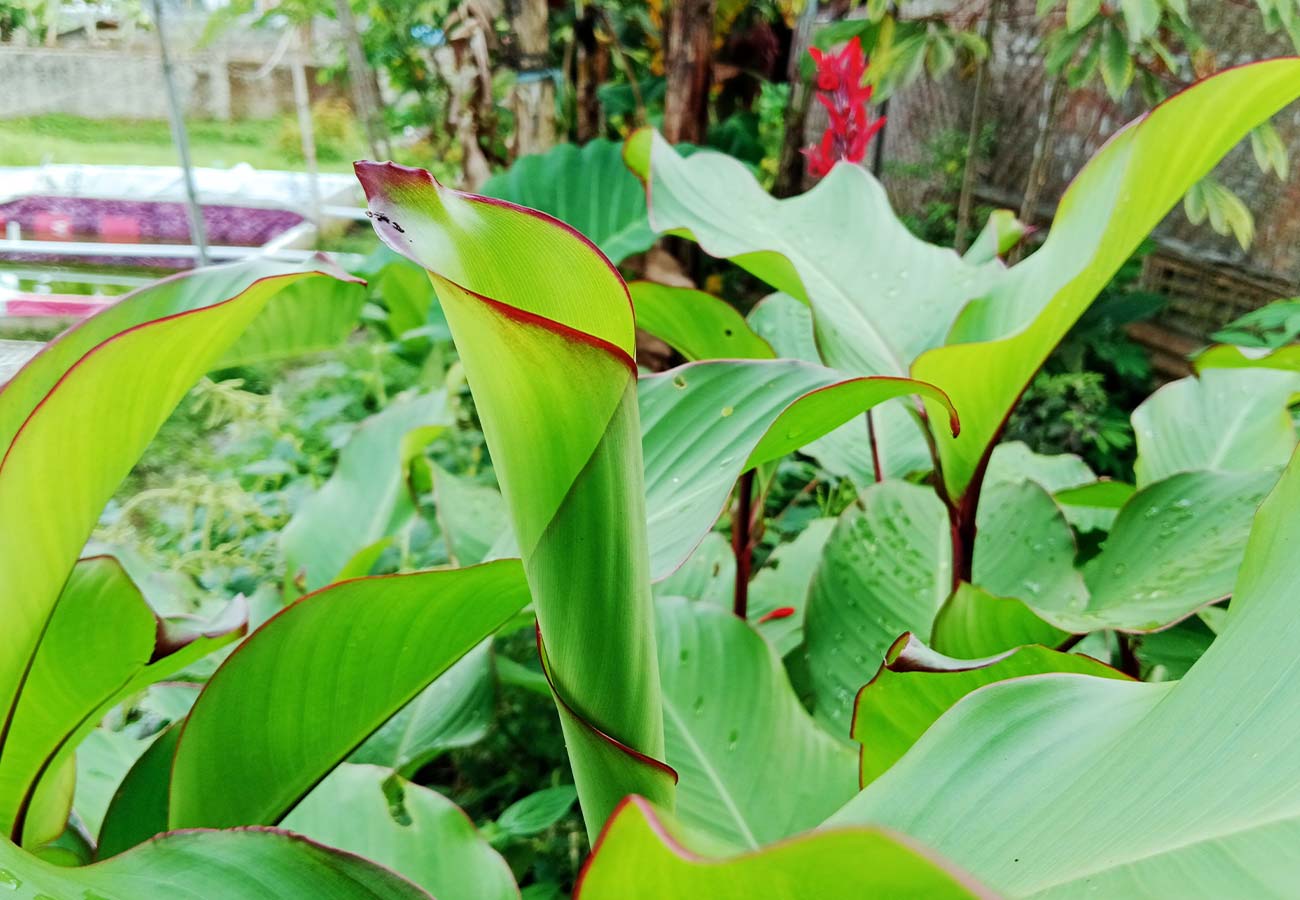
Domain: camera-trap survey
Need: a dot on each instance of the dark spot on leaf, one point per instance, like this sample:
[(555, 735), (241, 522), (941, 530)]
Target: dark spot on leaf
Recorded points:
[(679, 381), (727, 332)]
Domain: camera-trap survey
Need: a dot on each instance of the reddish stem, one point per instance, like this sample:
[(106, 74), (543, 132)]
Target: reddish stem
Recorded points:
[(742, 544)]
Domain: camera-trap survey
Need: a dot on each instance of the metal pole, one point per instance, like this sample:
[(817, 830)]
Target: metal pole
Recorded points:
[(198, 235)]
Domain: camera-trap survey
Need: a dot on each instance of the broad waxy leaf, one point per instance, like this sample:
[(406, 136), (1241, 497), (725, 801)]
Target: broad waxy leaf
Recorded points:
[(695, 324), (588, 187), (916, 685), (107, 384), (247, 864), (366, 498), (706, 423), (783, 583), (472, 517), (320, 677), (537, 812), (413, 831), (879, 295), (737, 734), (1175, 545), (1015, 316), (1064, 786), (1224, 420), (1123, 192), (544, 327), (639, 857)]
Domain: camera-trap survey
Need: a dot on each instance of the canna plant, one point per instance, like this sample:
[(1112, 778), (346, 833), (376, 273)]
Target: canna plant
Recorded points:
[(985, 557), (698, 770)]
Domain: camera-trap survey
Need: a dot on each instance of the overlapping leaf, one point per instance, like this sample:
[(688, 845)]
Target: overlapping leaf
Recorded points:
[(319, 678), (1061, 785)]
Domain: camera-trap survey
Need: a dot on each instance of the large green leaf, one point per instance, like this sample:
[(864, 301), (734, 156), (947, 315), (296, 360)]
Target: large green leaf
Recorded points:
[(77, 676), (366, 499), (975, 622), (706, 423), (879, 294), (320, 677), (588, 187), (814, 247), (1175, 546), (409, 829), (1065, 786), (545, 331), (916, 685), (1226, 420), (248, 864), (472, 516), (1123, 192), (737, 734), (782, 584), (1227, 356), (695, 324), (76, 418), (642, 857)]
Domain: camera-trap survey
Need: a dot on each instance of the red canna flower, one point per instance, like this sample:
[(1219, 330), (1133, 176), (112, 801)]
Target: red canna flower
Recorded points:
[(841, 91)]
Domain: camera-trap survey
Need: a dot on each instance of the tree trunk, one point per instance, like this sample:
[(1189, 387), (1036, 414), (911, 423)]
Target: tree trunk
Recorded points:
[(533, 100), (790, 168), (976, 127), (1038, 168), (592, 70), (364, 95), (688, 57)]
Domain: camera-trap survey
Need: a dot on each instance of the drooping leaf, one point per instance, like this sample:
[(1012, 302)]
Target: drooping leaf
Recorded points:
[(1072, 785), (408, 829), (248, 864), (1109, 208), (1225, 356), (1094, 506), (916, 685), (737, 734), (1232, 420), (77, 675), (366, 499), (107, 384), (138, 809), (706, 423), (640, 856), (695, 324), (319, 678), (588, 187), (544, 327), (879, 295)]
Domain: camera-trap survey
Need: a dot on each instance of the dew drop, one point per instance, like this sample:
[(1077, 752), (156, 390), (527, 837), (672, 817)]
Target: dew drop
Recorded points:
[(10, 880), (679, 382), (727, 410)]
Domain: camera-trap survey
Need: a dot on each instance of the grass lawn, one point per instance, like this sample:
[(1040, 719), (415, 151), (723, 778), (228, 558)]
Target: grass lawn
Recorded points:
[(264, 143)]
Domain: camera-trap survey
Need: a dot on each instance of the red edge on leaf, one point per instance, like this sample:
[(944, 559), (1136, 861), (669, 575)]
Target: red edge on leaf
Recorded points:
[(324, 265), (376, 179), (6, 717), (288, 610), (607, 738), (903, 657), (781, 612), (290, 836), (177, 632), (793, 363), (648, 811)]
